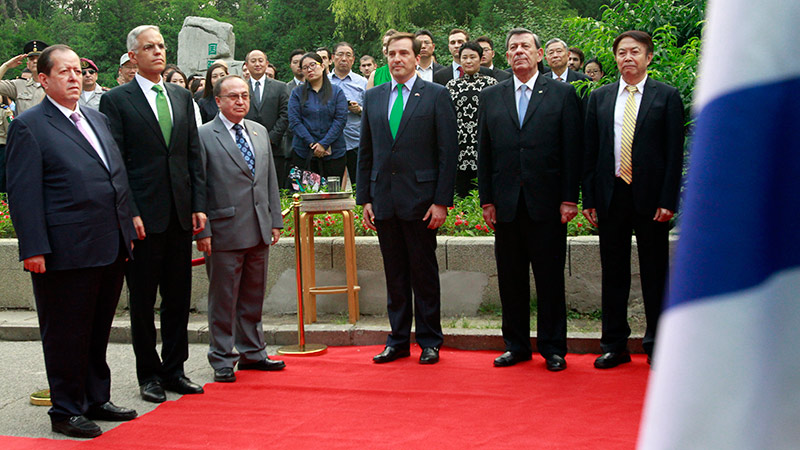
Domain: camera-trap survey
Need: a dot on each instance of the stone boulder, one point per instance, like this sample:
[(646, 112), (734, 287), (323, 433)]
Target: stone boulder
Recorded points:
[(203, 41)]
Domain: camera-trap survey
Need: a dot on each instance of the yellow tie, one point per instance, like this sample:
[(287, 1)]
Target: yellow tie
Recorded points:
[(628, 127)]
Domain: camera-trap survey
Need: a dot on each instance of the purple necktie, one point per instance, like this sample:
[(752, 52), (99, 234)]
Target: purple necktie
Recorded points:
[(78, 119)]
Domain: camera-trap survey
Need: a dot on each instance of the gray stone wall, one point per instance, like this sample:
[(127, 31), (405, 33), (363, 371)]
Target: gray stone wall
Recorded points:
[(203, 41), (467, 266)]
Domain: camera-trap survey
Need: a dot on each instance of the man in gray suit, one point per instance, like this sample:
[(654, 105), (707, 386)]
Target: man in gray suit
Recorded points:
[(244, 220)]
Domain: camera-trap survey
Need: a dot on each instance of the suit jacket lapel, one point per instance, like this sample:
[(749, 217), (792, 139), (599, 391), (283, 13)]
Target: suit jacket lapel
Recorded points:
[(539, 91), (177, 108), (140, 105), (510, 99), (414, 99), (647, 100), (64, 125), (230, 147), (259, 147), (383, 105)]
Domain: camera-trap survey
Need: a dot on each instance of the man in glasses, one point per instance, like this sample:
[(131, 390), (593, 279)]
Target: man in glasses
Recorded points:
[(240, 177), (90, 97), (354, 86)]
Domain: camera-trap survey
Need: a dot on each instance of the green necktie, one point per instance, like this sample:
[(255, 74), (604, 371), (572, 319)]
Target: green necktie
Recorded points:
[(162, 107), (397, 111)]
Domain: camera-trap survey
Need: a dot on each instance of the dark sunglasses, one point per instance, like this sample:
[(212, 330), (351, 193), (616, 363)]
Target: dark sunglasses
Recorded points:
[(89, 71)]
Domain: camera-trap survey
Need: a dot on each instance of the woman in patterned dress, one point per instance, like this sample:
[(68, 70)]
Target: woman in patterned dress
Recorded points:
[(464, 92)]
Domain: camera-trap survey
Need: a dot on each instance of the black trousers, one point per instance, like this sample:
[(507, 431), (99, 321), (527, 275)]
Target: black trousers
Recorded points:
[(409, 262), (75, 309), (520, 245), (162, 263), (465, 182), (652, 241), (352, 164)]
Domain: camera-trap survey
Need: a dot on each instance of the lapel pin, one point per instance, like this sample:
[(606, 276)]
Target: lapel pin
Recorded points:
[(255, 133), (540, 92), (416, 94)]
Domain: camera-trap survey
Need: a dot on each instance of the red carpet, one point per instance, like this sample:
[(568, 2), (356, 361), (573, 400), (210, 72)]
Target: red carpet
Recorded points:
[(342, 400)]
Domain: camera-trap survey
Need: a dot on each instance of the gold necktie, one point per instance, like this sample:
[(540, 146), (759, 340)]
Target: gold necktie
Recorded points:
[(628, 127)]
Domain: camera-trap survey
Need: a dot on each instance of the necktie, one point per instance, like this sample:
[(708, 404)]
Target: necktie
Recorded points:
[(78, 119), (241, 142), (397, 111), (460, 71), (628, 127), (523, 104), (257, 94), (559, 79), (164, 120)]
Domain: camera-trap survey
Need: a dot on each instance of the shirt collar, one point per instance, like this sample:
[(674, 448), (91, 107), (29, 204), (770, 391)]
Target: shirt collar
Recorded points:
[(253, 80), (408, 84), (297, 81), (64, 110), (530, 83), (563, 75), (333, 74), (228, 124), (147, 85), (639, 86)]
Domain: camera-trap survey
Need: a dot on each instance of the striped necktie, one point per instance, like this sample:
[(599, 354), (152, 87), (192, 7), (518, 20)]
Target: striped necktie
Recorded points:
[(628, 127)]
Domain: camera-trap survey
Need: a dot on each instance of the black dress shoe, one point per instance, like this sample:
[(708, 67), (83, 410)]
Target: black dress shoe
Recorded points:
[(265, 364), (153, 392), (389, 354), (510, 358), (555, 363), (224, 375), (77, 426), (183, 385), (110, 412), (429, 355), (612, 359)]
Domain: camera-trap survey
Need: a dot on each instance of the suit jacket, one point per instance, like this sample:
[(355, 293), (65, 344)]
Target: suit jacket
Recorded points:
[(158, 171), (571, 75), (541, 159), (409, 173), (445, 74), (242, 208), (657, 152), (65, 203), (500, 74), (273, 110), (288, 137)]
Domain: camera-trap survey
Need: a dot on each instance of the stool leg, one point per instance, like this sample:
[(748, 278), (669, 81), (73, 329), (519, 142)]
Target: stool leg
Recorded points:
[(309, 272), (350, 265)]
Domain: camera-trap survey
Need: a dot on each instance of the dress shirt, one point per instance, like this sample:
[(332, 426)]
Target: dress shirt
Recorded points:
[(563, 75), (455, 70), (426, 74), (296, 82), (353, 85), (261, 86), (147, 88), (406, 93), (229, 125), (528, 93), (619, 116), (93, 140)]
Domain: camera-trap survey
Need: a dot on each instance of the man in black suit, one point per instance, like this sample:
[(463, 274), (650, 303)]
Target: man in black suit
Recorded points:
[(406, 173), (455, 40), (487, 58), (269, 106), (154, 125), (557, 56), (529, 157), (427, 66), (633, 163), (68, 194)]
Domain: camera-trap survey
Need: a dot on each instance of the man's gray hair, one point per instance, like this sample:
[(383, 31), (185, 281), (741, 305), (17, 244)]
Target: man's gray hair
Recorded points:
[(554, 40), (133, 42), (516, 31)]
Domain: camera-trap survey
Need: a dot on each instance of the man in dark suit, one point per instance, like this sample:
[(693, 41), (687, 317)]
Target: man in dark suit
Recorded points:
[(487, 58), (455, 40), (633, 164), (154, 125), (557, 56), (244, 219), (529, 157), (68, 194), (269, 106), (406, 173), (427, 66)]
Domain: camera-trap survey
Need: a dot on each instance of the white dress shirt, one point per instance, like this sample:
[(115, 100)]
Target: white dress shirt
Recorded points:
[(528, 93), (426, 74), (619, 115), (147, 88), (229, 125)]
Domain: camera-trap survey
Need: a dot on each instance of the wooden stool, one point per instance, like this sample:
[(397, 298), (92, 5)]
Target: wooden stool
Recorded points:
[(309, 208)]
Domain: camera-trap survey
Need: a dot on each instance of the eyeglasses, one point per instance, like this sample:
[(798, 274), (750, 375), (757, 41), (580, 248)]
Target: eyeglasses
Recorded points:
[(233, 97), (343, 55), (310, 66), (89, 71)]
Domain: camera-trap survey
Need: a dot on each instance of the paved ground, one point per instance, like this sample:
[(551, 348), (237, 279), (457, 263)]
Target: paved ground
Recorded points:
[(23, 364)]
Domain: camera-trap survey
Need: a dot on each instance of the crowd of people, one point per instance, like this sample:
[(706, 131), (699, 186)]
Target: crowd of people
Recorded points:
[(105, 183)]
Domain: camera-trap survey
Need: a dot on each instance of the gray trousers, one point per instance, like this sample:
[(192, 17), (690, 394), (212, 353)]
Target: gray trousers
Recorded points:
[(237, 284)]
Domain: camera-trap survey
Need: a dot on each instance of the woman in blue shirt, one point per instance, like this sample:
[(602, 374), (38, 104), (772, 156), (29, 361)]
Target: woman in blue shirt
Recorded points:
[(317, 116)]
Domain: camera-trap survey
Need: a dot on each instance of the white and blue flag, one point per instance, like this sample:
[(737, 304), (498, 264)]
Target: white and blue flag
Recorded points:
[(727, 363)]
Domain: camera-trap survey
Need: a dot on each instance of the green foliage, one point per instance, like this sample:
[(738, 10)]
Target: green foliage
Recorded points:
[(6, 228)]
